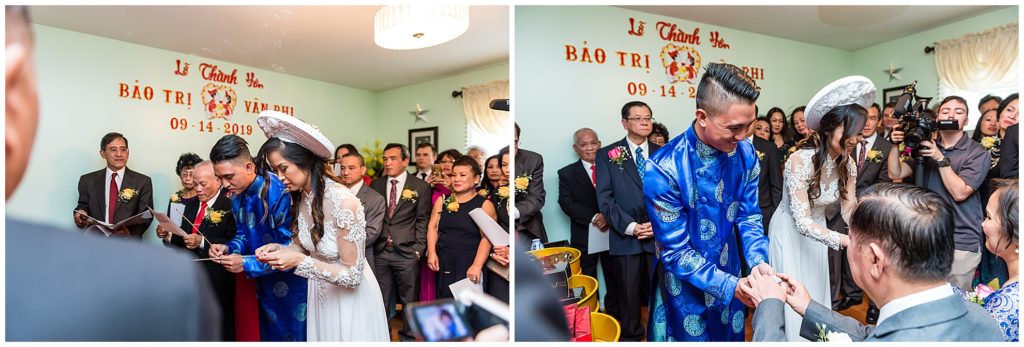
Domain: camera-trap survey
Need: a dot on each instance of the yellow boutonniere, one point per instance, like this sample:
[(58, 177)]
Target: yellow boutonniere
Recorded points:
[(483, 192), (176, 198), (522, 183), (409, 195), (503, 192), (215, 216), (875, 156), (451, 204), (989, 142), (760, 155), (127, 194)]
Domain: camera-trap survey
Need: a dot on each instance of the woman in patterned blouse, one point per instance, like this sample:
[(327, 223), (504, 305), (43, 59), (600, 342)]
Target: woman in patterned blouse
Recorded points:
[(1000, 228)]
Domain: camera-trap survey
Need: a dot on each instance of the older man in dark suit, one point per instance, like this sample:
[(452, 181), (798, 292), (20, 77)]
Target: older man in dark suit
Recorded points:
[(403, 238), (620, 197), (901, 249), (114, 193), (82, 277), (353, 167), (529, 172), (577, 195), (769, 183), (207, 220)]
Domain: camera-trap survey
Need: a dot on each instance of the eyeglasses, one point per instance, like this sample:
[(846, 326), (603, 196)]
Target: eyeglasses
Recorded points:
[(641, 119)]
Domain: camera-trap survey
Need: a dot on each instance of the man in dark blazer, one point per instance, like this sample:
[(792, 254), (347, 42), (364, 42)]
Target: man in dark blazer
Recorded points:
[(209, 217), (577, 195), (872, 168), (353, 167), (907, 277), (769, 183), (76, 291), (529, 221), (403, 238), (1008, 158), (114, 193), (620, 197)]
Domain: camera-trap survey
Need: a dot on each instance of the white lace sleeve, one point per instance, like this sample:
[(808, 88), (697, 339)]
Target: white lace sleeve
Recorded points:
[(799, 169), (345, 215), (847, 206)]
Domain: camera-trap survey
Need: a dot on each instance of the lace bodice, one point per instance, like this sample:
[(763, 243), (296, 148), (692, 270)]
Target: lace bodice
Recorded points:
[(810, 218), (338, 257)]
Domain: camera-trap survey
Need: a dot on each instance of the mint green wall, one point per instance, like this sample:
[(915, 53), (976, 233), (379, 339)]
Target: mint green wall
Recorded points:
[(908, 52), (79, 77), (393, 107), (554, 97)]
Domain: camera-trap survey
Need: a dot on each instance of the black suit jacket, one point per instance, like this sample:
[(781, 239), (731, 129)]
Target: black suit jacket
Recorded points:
[(92, 195), (620, 197), (408, 226), (374, 207), (769, 184), (874, 172), (578, 199), (1008, 156), (219, 233), (97, 289), (530, 221)]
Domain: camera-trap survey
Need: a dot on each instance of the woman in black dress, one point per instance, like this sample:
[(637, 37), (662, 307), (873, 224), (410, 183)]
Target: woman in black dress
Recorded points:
[(456, 248)]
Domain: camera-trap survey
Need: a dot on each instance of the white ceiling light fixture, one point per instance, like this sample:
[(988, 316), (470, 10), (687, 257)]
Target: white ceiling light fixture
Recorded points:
[(403, 27)]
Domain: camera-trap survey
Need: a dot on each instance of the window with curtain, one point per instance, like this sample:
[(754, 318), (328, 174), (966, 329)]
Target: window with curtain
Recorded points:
[(977, 65), (486, 128)]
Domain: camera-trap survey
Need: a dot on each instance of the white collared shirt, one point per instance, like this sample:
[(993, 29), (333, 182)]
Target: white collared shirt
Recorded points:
[(925, 296), (106, 188), (425, 173), (398, 191), (870, 143), (587, 167), (359, 185)]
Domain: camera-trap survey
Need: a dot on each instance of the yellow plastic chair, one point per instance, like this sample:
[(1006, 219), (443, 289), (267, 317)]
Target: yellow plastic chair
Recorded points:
[(604, 328), (574, 264), (589, 285)]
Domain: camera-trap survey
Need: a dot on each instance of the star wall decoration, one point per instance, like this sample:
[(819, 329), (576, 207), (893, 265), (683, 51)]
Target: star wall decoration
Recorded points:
[(893, 72), (419, 113)]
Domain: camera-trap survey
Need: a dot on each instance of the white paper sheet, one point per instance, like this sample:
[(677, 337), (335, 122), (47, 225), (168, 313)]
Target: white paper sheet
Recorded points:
[(495, 234), (597, 240), (167, 224), (458, 288), (176, 212)]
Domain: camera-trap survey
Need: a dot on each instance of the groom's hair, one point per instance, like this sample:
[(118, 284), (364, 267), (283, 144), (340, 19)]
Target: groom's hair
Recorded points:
[(723, 85), (913, 224), (230, 147)]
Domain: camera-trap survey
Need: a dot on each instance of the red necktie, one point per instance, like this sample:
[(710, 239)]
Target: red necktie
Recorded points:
[(861, 155), (394, 198), (112, 203), (593, 176), (199, 218)]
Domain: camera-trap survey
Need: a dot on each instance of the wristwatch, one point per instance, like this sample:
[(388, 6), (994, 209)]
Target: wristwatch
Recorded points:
[(943, 163)]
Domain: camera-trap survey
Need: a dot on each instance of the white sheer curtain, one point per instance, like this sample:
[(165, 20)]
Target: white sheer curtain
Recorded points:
[(485, 127), (978, 64)]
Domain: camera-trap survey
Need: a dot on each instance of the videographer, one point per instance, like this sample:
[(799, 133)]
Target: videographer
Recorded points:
[(955, 170)]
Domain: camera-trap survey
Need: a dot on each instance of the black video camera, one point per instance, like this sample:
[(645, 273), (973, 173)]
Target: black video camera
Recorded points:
[(916, 126)]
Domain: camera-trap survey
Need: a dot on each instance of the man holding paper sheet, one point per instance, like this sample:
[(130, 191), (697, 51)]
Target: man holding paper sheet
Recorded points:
[(207, 220), (114, 193), (577, 195)]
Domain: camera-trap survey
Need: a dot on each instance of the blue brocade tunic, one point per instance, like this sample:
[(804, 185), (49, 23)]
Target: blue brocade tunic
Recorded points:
[(282, 295), (698, 197), (1003, 305)]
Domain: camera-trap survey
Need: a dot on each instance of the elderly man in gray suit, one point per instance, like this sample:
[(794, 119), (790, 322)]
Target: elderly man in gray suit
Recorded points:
[(901, 250), (353, 167), (82, 287)]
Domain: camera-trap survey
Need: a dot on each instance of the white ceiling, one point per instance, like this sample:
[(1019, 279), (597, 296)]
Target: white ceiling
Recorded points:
[(327, 43), (844, 27)]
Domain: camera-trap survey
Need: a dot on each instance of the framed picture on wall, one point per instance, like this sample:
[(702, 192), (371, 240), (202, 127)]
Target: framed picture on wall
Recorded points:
[(892, 94), (422, 135)]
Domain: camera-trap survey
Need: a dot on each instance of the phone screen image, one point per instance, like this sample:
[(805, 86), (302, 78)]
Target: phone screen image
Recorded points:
[(440, 322)]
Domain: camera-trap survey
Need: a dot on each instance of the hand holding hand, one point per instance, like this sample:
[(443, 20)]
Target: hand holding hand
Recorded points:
[(283, 259), (797, 296), (261, 253), (760, 287), (500, 255), (740, 295)]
